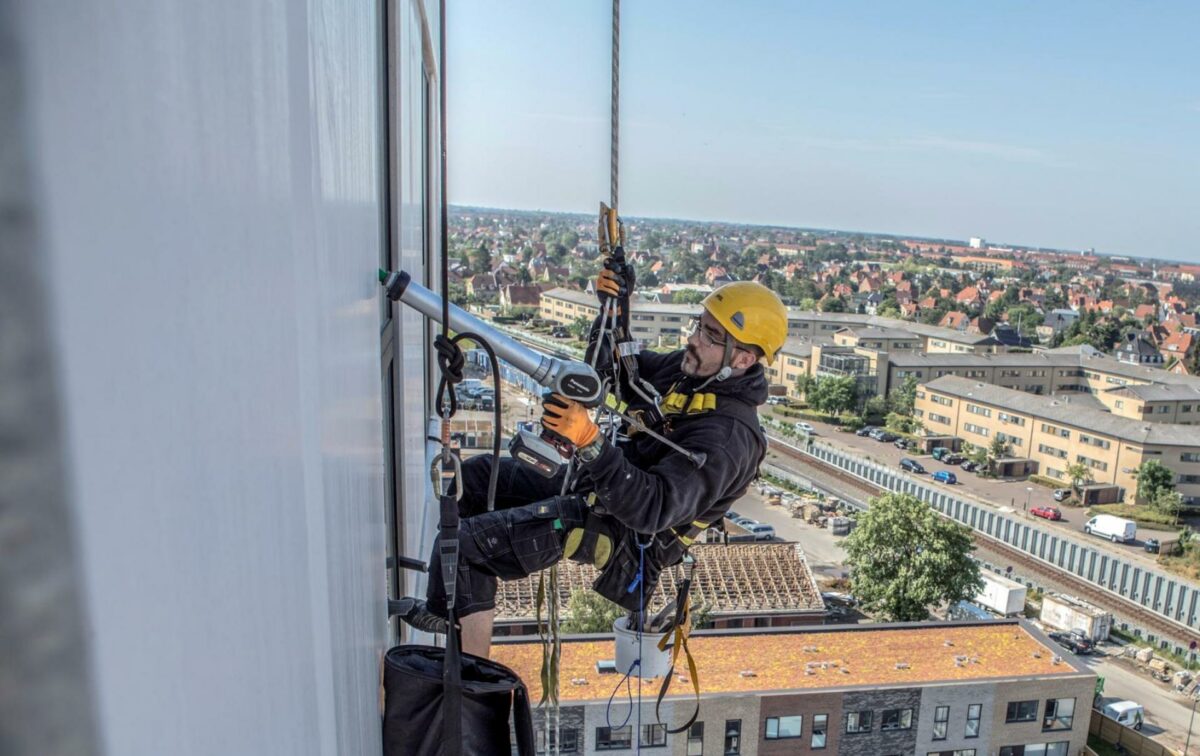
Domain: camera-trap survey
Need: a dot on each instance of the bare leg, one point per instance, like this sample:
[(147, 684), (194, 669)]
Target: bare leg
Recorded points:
[(477, 633)]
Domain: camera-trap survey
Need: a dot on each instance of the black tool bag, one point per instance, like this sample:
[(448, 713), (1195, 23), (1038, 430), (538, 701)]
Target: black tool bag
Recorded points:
[(415, 705)]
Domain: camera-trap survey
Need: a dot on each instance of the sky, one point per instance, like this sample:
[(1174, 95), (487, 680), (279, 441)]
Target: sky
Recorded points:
[(1071, 125)]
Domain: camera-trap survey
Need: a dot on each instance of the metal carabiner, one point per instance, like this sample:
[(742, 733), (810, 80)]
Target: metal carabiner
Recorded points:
[(446, 469)]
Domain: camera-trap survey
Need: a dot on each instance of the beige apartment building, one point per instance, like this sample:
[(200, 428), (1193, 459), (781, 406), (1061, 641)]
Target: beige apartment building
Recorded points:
[(1054, 432)]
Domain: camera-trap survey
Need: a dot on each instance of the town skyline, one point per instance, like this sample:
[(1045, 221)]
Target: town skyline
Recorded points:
[(1002, 244)]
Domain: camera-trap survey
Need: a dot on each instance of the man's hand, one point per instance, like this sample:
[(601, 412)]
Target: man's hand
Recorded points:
[(568, 419), (615, 281)]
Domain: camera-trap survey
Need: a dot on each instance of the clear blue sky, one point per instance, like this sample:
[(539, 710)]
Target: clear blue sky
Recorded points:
[(1066, 124)]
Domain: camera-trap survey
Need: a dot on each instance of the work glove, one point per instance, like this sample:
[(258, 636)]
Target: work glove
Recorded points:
[(569, 419), (615, 280)]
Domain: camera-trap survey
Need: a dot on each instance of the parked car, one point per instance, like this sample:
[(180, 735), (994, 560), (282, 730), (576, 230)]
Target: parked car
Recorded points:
[(969, 466), (902, 443), (953, 459), (866, 430), (1062, 494), (777, 400), (745, 521), (1075, 643), (560, 333), (911, 465), (1049, 513), (939, 452), (761, 531), (1152, 545), (945, 476), (732, 516), (885, 436), (806, 428)]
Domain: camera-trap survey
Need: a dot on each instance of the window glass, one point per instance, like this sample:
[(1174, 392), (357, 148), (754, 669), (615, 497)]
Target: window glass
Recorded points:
[(858, 722), (896, 719), (974, 712), (941, 722), (614, 738), (784, 727), (819, 725), (1021, 711), (1060, 714), (733, 737), (654, 735), (695, 744)]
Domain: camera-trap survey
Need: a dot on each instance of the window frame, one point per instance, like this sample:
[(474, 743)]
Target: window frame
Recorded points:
[(860, 715), (943, 721), (977, 719), (608, 743), (1009, 713), (778, 721), (822, 731), (1048, 717), (899, 713)]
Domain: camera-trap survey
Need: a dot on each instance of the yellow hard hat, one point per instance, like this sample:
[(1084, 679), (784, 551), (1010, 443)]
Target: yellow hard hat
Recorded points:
[(751, 313)]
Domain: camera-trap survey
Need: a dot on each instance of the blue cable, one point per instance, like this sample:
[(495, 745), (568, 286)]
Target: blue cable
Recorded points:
[(641, 624)]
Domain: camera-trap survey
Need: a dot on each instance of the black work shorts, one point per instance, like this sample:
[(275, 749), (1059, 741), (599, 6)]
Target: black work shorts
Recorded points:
[(506, 544)]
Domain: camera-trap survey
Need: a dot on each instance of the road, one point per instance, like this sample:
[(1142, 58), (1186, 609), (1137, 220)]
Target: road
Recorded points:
[(989, 491), (1167, 712)]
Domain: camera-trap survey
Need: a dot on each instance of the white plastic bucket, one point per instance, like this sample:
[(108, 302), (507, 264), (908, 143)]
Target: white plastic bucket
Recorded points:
[(655, 663)]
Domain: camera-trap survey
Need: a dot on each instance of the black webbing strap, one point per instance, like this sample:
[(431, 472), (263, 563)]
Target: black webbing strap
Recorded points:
[(448, 553)]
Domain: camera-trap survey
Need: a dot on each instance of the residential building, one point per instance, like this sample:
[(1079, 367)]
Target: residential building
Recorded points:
[(1056, 433), (1138, 349), (969, 689)]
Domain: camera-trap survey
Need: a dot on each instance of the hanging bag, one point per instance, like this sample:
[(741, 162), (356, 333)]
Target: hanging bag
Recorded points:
[(415, 691)]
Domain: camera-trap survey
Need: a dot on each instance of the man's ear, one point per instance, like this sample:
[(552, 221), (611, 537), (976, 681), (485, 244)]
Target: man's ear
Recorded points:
[(742, 360)]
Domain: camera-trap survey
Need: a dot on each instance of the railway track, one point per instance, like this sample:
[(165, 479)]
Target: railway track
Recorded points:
[(1023, 563)]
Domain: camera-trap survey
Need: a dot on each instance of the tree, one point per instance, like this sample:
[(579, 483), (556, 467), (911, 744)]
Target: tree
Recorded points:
[(1152, 477), (998, 449), (481, 258), (905, 558), (832, 304), (902, 398), (1168, 502), (687, 296), (1079, 474), (589, 612), (875, 407), (804, 384), (834, 394), (580, 326)]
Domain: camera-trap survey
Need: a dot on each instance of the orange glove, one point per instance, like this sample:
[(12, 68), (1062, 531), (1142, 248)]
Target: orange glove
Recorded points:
[(569, 419), (608, 282)]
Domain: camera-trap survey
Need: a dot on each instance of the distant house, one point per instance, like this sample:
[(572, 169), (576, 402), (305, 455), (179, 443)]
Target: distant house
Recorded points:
[(1181, 345), (1138, 350), (1007, 335), (521, 295), (959, 321), (1060, 320)]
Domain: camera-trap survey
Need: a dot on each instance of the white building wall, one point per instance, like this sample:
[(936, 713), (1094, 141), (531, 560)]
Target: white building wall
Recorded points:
[(211, 181)]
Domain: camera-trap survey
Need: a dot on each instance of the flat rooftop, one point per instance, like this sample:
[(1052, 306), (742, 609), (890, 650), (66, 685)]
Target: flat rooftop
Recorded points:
[(799, 659)]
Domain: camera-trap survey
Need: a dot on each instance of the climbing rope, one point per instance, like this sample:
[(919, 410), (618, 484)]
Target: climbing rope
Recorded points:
[(615, 140)]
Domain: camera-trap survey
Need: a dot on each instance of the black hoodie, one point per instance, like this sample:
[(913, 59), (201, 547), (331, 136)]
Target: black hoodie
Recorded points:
[(649, 487)]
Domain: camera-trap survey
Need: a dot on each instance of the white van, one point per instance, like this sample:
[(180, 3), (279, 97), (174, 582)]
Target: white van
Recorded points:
[(1128, 713), (1115, 529)]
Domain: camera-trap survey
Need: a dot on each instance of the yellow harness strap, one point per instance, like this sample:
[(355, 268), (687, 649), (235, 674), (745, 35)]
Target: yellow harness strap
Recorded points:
[(676, 403), (680, 634)]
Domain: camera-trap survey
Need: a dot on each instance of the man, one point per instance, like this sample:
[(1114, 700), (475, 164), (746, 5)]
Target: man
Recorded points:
[(636, 506)]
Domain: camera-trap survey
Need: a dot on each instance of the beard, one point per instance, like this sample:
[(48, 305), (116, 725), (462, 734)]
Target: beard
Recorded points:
[(690, 364)]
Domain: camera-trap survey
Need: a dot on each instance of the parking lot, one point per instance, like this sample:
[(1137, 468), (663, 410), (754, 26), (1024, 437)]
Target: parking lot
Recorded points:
[(1008, 495)]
